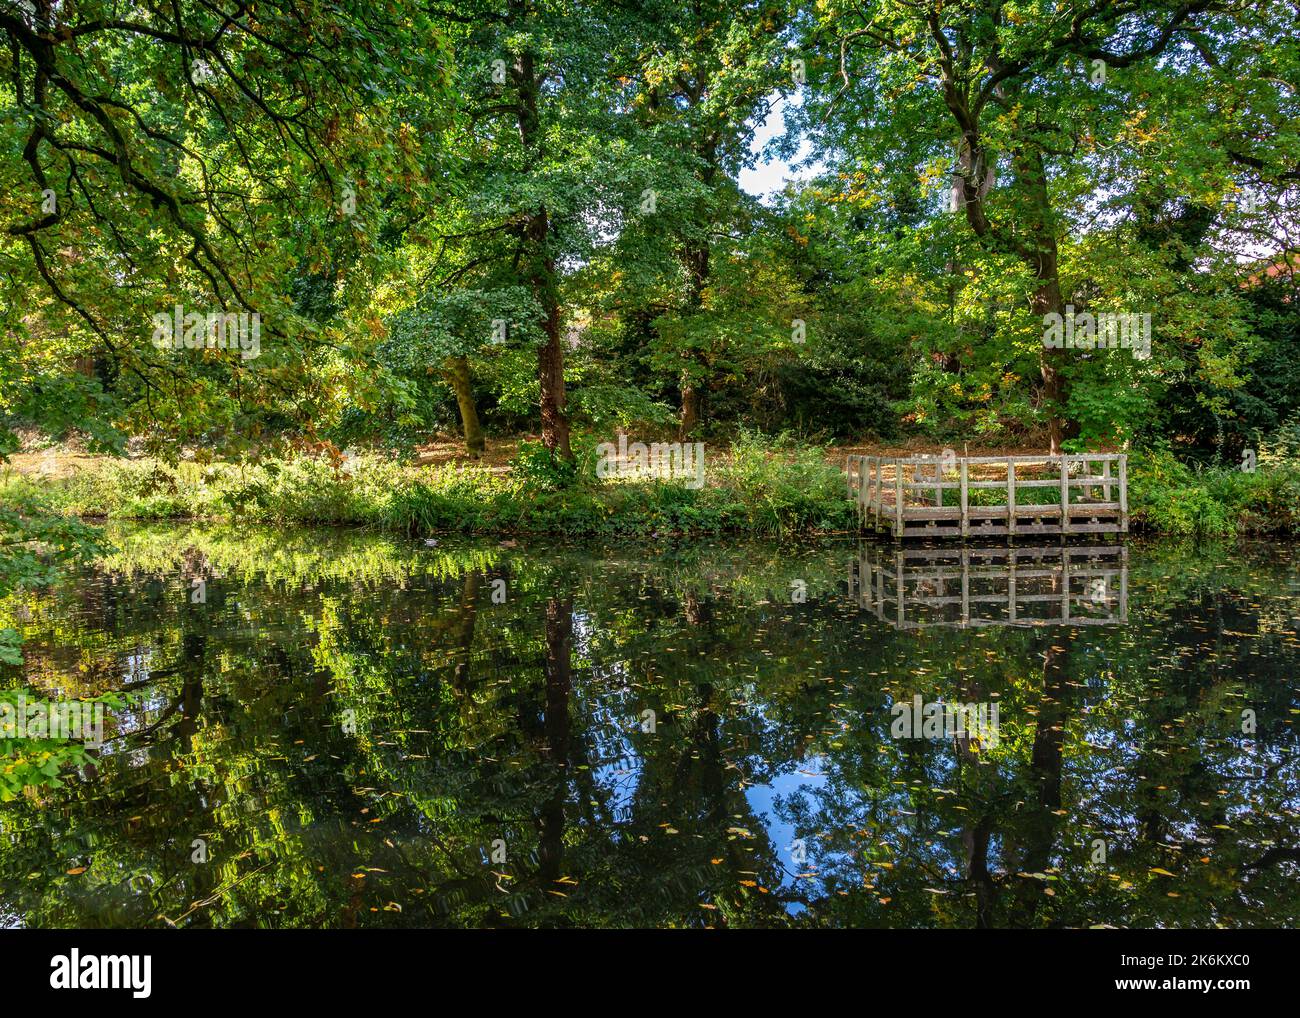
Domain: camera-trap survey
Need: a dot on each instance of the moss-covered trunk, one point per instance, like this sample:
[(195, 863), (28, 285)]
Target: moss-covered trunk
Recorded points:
[(456, 371)]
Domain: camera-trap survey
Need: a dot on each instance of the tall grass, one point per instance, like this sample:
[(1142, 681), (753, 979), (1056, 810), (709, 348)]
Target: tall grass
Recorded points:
[(763, 487), (760, 486)]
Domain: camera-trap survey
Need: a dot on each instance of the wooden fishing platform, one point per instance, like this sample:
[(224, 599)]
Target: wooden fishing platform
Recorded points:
[(990, 496), (923, 588)]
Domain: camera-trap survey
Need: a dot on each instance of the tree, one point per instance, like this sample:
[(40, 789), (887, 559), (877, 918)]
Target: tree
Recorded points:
[(193, 155), (536, 104), (1024, 107), (705, 80)]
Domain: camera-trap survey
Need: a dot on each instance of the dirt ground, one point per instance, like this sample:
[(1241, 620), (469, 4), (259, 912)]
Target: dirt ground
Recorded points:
[(451, 451), (924, 446), (65, 460), (54, 463)]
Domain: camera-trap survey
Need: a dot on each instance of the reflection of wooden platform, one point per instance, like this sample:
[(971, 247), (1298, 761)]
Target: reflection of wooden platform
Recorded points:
[(976, 496), (919, 588)]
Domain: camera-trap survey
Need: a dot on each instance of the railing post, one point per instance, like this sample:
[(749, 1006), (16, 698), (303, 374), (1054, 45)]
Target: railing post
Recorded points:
[(965, 509), (1105, 479), (898, 499), (876, 484), (1065, 495), (898, 586), (854, 491), (1011, 496), (1123, 494), (1065, 586), (965, 581), (864, 491)]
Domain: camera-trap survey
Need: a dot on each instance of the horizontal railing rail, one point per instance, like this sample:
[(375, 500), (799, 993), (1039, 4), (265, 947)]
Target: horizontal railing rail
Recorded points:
[(976, 587)]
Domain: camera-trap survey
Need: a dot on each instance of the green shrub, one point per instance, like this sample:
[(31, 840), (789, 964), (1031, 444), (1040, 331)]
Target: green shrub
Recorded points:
[(760, 486), (786, 485), (1171, 497)]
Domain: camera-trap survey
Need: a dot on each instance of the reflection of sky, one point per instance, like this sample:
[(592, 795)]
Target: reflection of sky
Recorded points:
[(615, 714), (149, 701), (616, 765), (762, 801)]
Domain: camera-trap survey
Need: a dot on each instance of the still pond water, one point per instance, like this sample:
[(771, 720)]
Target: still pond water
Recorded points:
[(349, 730)]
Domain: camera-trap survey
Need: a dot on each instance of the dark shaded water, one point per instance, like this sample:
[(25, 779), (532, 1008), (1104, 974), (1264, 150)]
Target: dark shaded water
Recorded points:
[(353, 730)]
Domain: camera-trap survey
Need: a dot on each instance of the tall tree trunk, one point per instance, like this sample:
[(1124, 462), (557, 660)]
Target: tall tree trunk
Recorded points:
[(695, 258), (550, 372), (971, 185), (1047, 299), (559, 682), (456, 371), (1040, 254), (689, 416), (541, 262)]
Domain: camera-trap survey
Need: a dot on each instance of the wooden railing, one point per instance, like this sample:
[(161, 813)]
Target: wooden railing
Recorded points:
[(920, 588), (933, 496)]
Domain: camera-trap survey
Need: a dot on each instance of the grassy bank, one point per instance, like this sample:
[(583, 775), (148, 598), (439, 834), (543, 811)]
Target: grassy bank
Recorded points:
[(1167, 496), (757, 487)]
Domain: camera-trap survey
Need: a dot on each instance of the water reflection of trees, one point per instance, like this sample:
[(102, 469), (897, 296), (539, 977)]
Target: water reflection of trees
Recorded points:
[(523, 721)]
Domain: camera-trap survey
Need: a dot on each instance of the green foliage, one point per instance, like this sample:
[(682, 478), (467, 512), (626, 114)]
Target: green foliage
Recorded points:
[(790, 487), (539, 468), (36, 762), (764, 486), (1282, 446), (35, 545), (196, 155), (1170, 497), (475, 187)]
